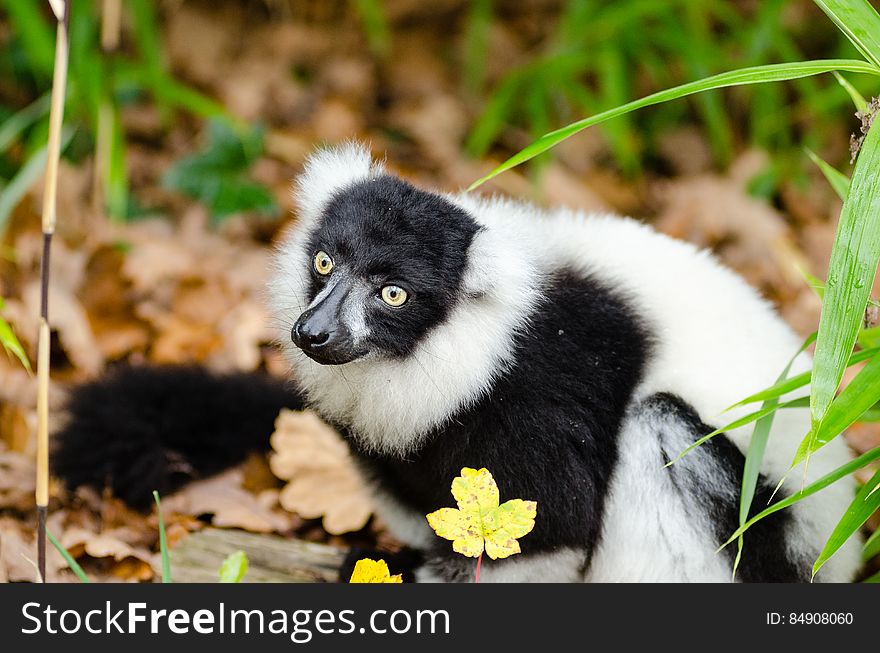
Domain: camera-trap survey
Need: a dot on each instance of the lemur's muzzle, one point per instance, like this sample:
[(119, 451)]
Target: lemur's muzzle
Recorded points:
[(322, 335)]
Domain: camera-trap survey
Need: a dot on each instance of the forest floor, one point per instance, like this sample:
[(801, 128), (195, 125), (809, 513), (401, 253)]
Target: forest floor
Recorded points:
[(175, 287)]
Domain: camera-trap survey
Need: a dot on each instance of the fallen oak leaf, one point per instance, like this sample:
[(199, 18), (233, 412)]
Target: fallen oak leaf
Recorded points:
[(322, 479), (480, 523), (231, 506), (373, 571)]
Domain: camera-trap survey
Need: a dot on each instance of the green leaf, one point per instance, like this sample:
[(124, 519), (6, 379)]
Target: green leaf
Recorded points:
[(859, 396), (17, 123), (73, 564), (859, 21), (753, 75), (11, 343), (857, 99), (839, 181), (757, 447), (872, 546), (799, 381), (816, 486), (862, 507), (36, 35), (768, 408), (217, 175), (372, 16), (853, 264), (234, 567), (163, 541), (26, 177)]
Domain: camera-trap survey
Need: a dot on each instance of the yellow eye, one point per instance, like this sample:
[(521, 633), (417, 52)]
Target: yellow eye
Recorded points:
[(323, 263), (393, 295)]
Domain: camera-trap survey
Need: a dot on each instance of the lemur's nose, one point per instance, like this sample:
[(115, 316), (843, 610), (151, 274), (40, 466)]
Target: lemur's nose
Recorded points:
[(305, 335)]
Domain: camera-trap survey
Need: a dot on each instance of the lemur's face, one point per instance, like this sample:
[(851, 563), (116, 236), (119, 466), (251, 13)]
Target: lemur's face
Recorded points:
[(386, 266)]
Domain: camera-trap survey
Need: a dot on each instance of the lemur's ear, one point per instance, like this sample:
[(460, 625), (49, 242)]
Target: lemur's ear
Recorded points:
[(329, 170)]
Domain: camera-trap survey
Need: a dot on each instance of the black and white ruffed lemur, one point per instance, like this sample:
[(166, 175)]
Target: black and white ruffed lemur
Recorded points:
[(572, 355)]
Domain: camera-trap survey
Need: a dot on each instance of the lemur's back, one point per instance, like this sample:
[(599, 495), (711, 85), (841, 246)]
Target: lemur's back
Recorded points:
[(716, 342)]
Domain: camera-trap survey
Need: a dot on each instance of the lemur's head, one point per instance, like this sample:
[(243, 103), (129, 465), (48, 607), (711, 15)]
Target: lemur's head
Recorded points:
[(386, 265), (396, 305)]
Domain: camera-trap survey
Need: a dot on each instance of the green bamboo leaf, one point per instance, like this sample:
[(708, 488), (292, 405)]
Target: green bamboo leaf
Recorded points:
[(860, 395), (799, 381), (857, 99), (769, 407), (753, 75), (872, 546), (839, 181), (11, 343), (234, 567), (859, 21), (816, 486), (853, 264), (757, 447), (862, 507)]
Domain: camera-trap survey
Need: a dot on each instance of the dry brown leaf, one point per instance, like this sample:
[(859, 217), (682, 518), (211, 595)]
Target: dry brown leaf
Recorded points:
[(322, 479), (17, 478), (18, 555), (231, 506), (15, 427)]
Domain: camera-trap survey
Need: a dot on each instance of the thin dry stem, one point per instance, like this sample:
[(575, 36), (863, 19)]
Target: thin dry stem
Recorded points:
[(50, 200)]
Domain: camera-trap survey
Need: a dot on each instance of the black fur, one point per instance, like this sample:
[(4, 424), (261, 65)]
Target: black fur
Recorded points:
[(765, 556), (387, 231), (142, 429), (548, 432)]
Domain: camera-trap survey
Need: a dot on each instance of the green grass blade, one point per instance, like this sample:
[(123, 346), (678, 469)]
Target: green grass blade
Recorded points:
[(821, 484), (753, 75), (873, 579), (757, 447), (859, 21), (234, 567), (862, 507), (24, 179), (872, 546), (859, 396), (13, 126), (73, 564), (853, 264), (31, 27), (375, 24), (163, 541), (839, 181), (11, 343), (476, 44), (768, 408), (799, 381), (857, 99)]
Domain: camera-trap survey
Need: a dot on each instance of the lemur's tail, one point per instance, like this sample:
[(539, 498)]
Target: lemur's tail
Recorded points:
[(141, 429)]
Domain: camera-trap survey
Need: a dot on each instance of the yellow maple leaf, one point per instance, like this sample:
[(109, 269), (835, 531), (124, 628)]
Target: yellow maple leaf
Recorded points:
[(373, 571), (480, 523)]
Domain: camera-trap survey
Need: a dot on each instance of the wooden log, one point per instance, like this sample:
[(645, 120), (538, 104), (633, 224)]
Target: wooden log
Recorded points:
[(271, 559)]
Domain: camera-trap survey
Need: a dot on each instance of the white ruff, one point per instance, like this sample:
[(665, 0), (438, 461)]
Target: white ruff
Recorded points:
[(390, 404)]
